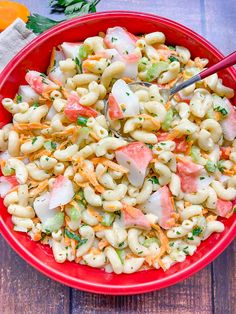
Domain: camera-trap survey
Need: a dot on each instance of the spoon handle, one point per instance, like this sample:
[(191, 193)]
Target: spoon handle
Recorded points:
[(226, 62)]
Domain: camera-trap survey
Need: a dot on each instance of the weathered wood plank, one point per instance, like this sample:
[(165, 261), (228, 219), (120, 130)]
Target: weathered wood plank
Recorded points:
[(224, 283), (192, 296), (24, 290)]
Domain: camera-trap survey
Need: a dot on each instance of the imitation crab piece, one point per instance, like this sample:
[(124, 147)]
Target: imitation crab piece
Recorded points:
[(123, 41), (54, 71), (6, 184), (161, 205), (28, 94), (41, 207), (134, 217), (223, 208), (188, 172), (135, 157), (62, 192), (71, 50), (74, 109), (39, 82), (122, 101), (229, 123)]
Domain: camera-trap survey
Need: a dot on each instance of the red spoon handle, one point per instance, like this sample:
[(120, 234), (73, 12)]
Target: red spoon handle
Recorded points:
[(226, 62)]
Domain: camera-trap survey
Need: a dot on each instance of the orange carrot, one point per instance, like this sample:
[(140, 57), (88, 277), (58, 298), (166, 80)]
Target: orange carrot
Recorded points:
[(109, 164)]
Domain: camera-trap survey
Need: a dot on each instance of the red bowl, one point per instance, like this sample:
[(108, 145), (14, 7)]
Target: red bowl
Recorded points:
[(35, 56)]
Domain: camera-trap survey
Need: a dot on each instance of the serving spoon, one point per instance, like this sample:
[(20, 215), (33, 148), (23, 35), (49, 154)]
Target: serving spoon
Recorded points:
[(169, 93)]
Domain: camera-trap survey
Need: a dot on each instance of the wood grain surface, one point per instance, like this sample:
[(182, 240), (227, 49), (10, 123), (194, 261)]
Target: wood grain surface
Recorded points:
[(213, 289)]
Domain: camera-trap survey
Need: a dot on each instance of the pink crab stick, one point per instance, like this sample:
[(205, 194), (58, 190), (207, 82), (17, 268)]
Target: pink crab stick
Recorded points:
[(160, 204), (188, 172), (134, 217), (39, 82), (135, 157), (62, 192), (6, 184), (74, 109)]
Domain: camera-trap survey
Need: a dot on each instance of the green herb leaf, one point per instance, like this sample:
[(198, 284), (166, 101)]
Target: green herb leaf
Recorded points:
[(172, 59), (75, 237), (83, 52), (79, 64), (220, 165), (34, 140), (121, 255), (82, 121), (38, 23), (154, 180), (74, 214), (18, 99), (49, 145), (171, 47), (197, 231)]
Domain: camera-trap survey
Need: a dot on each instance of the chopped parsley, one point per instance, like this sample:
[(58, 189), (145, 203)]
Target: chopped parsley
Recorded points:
[(79, 64), (185, 250), (177, 232), (172, 59), (171, 47), (18, 99), (35, 105), (150, 146), (127, 93), (222, 110), (113, 39), (197, 231), (140, 252), (154, 180), (190, 238), (121, 244), (126, 52), (220, 165), (202, 178), (34, 140), (75, 237)]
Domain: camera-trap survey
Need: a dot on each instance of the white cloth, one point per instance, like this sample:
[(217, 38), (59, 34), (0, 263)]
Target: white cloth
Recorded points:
[(12, 40)]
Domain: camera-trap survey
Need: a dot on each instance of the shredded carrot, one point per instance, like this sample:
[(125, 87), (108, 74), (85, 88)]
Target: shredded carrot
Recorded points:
[(46, 94), (36, 220), (102, 244), (204, 155), (168, 105), (211, 218), (94, 135), (43, 152), (198, 63), (19, 127), (65, 132), (52, 60), (109, 164), (154, 160), (89, 175), (127, 79), (73, 244), (186, 204), (173, 134), (100, 227), (180, 158), (94, 251), (163, 239), (41, 187), (190, 144), (205, 211), (96, 57), (2, 163), (217, 116), (78, 259), (228, 172), (67, 241)]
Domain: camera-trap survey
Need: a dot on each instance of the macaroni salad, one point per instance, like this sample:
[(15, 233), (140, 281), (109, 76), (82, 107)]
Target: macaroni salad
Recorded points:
[(99, 200)]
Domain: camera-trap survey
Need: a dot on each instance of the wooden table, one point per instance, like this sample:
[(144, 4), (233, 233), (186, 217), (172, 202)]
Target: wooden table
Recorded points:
[(212, 290)]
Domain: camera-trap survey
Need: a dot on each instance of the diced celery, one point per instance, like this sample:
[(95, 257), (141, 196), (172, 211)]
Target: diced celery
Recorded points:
[(156, 69), (210, 166), (195, 153), (54, 223), (74, 214), (7, 171), (149, 241), (121, 255), (108, 219), (168, 119), (83, 52), (83, 134), (142, 65)]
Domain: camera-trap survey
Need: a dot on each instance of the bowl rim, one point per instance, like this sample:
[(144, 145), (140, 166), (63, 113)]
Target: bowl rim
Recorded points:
[(172, 279)]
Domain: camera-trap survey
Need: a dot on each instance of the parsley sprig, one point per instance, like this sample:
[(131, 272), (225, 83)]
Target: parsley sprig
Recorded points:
[(71, 8)]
